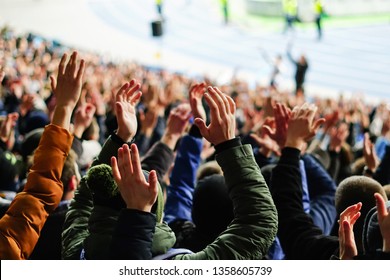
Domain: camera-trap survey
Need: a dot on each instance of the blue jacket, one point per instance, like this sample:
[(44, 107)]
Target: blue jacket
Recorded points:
[(183, 179), (322, 190)]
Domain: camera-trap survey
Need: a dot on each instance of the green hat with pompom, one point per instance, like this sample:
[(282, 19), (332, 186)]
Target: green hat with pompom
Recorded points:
[(105, 191)]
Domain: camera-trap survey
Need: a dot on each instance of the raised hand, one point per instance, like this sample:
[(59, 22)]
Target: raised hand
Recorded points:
[(67, 88), (7, 129), (222, 125), (148, 121), (369, 153), (347, 242), (2, 74), (196, 95), (176, 124), (384, 221), (83, 118), (278, 133), (338, 135), (302, 126), (135, 190), (267, 145), (126, 99)]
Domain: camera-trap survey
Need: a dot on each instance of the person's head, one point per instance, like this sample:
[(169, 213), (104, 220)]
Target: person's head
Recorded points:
[(356, 189), (207, 169), (372, 237), (70, 176), (212, 208), (302, 59)]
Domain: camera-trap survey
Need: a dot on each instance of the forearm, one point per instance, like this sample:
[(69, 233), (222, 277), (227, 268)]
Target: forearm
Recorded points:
[(62, 115)]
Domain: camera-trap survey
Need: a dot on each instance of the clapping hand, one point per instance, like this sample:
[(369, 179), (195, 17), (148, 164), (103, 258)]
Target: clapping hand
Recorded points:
[(347, 242), (222, 125)]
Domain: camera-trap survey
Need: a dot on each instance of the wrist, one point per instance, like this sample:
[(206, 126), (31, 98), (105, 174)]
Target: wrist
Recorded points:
[(78, 131), (170, 140), (125, 136), (146, 208), (265, 152), (147, 132), (295, 143)]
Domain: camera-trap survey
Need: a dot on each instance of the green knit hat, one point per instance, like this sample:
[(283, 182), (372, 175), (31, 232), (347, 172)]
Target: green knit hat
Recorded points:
[(105, 191)]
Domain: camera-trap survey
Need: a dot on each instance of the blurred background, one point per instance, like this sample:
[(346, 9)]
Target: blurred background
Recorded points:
[(226, 38)]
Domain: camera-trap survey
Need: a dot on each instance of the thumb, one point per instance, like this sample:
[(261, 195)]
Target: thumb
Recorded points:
[(318, 123), (53, 83), (153, 186), (267, 130), (119, 112), (202, 127)]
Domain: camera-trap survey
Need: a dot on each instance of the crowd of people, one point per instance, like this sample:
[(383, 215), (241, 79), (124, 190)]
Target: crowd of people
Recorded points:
[(108, 160)]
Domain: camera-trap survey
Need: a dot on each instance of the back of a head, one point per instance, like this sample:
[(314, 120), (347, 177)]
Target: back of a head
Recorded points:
[(387, 191), (356, 189), (212, 209), (372, 237), (207, 169)]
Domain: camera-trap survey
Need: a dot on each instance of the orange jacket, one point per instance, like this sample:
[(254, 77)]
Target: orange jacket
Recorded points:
[(21, 225)]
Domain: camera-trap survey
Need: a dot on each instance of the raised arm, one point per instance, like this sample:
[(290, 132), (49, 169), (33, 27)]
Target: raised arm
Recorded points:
[(299, 237), (21, 225), (132, 239), (76, 220), (254, 226), (188, 159)]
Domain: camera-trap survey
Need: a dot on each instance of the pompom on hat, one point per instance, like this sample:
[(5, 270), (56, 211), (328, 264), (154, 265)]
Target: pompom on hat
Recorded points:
[(105, 191)]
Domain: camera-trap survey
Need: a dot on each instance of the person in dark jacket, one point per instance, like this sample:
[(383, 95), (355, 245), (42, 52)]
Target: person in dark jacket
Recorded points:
[(299, 237), (301, 66)]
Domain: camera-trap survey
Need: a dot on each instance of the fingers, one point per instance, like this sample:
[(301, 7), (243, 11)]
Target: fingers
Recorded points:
[(121, 92), (317, 124), (115, 170), (381, 207), (202, 127), (153, 186), (124, 160), (61, 67), (347, 231), (136, 164), (224, 102), (214, 111), (53, 83), (80, 72)]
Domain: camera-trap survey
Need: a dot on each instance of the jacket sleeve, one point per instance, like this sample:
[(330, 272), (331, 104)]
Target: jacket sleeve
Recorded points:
[(75, 228), (322, 190), (299, 236), (183, 178), (21, 225), (382, 174), (133, 236), (159, 158), (254, 226)]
